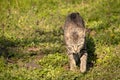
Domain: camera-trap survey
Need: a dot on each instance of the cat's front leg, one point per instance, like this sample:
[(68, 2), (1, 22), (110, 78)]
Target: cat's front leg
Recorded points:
[(72, 62), (83, 63)]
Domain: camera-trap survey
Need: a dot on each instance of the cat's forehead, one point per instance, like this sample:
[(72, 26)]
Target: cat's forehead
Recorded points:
[(77, 43)]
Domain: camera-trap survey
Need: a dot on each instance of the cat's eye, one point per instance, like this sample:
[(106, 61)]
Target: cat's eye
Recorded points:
[(69, 48), (78, 45)]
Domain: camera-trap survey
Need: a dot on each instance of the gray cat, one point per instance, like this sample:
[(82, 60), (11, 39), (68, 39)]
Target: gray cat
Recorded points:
[(74, 36)]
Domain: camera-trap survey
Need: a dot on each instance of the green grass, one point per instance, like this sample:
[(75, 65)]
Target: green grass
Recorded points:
[(32, 45)]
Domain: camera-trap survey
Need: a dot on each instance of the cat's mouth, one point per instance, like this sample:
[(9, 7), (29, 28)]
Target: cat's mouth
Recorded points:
[(78, 54)]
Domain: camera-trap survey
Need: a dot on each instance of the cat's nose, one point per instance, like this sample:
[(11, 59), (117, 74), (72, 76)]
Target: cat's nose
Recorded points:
[(76, 51)]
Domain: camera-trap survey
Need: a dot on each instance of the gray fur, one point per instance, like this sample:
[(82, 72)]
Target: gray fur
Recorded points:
[(74, 36)]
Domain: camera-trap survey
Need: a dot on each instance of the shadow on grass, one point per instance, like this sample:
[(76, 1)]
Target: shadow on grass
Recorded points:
[(92, 57), (10, 48), (5, 47)]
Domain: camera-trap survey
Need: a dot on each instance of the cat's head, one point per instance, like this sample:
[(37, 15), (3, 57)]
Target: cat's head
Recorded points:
[(76, 47)]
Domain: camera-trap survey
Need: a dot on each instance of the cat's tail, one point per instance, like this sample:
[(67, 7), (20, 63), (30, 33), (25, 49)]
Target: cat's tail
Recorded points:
[(74, 16), (77, 19)]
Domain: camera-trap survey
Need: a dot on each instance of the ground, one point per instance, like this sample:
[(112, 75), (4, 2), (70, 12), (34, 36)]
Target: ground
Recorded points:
[(32, 45)]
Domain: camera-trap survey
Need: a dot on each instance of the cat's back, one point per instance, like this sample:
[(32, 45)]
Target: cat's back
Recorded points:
[(74, 26)]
